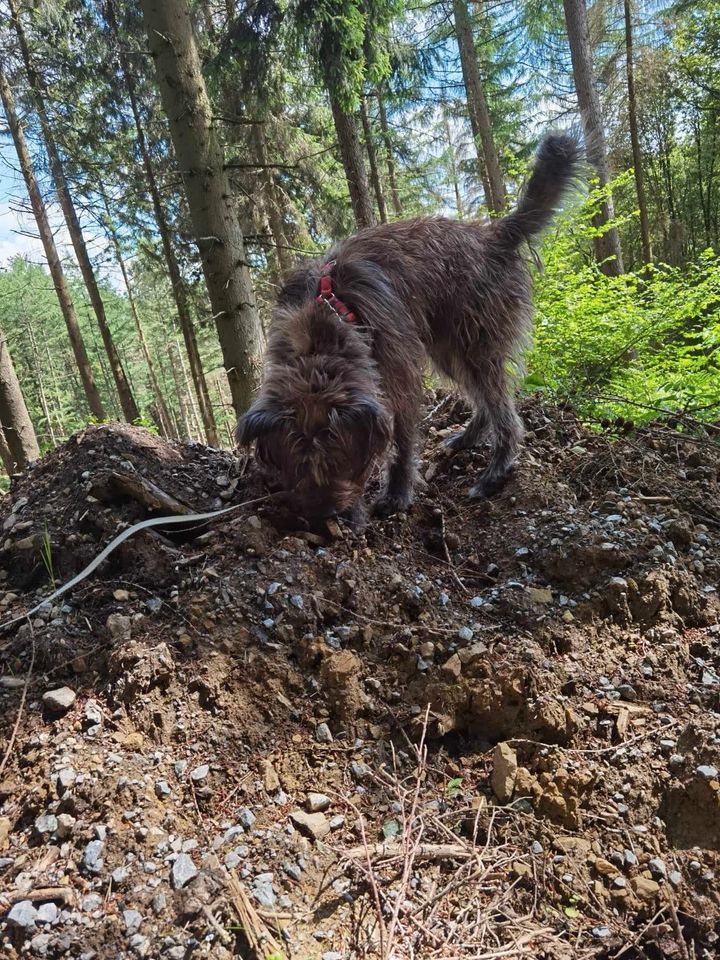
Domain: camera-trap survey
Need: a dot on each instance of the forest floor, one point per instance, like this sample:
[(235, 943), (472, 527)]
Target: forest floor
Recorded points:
[(484, 730)]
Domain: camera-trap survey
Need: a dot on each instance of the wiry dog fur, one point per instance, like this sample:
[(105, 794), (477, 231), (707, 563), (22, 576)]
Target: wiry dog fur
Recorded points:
[(336, 395)]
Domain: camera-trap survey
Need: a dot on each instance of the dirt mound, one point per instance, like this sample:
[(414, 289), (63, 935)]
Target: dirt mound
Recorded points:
[(269, 733)]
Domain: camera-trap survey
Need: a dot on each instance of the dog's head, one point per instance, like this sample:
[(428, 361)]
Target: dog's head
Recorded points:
[(316, 436)]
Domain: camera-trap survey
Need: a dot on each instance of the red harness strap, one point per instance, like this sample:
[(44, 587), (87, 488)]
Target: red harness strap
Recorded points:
[(326, 295)]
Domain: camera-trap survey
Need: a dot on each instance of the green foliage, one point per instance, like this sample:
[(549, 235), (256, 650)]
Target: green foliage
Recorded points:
[(630, 346)]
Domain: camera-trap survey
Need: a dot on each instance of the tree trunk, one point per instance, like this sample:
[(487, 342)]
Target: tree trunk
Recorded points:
[(478, 107), (273, 205), (212, 206), (51, 253), (15, 421), (165, 422), (635, 139), (40, 382), (352, 161), (127, 401), (389, 155), (453, 169), (175, 358), (607, 246), (372, 158), (176, 281), (6, 458)]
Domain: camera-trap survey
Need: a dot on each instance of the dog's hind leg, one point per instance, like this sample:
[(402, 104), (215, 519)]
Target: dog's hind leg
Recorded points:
[(506, 427), (398, 493)]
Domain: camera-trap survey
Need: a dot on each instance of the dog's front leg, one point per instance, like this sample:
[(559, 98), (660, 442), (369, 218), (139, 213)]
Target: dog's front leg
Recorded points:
[(398, 493), (358, 518)]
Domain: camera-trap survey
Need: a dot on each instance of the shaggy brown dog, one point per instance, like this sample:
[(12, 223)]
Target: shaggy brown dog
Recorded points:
[(351, 333)]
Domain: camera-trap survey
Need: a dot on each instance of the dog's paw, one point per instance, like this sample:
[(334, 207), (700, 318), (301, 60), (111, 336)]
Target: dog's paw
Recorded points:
[(391, 503), (488, 486), (457, 441)]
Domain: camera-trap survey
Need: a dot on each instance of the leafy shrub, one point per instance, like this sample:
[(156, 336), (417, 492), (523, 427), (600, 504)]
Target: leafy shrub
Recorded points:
[(629, 346)]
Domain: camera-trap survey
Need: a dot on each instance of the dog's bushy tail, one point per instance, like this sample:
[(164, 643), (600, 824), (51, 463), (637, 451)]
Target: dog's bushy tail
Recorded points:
[(558, 166)]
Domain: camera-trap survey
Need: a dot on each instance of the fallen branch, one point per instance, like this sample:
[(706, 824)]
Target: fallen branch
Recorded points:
[(39, 895), (425, 851), (152, 497)]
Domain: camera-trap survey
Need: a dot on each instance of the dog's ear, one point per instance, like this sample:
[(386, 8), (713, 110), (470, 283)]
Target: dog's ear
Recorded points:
[(259, 420), (369, 426)]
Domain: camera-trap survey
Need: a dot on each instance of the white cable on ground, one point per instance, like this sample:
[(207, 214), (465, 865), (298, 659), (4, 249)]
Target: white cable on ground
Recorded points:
[(114, 544)]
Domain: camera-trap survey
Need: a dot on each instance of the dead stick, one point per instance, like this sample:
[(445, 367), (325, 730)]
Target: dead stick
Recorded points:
[(426, 851)]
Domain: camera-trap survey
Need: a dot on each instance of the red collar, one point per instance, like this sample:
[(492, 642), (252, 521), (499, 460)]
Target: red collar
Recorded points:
[(326, 295)]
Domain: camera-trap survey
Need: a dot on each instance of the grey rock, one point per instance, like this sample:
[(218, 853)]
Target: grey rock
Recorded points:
[(159, 902), (262, 888), (132, 919), (246, 818), (657, 867), (601, 933), (675, 878), (120, 875), (92, 859), (22, 915), (162, 789), (317, 802), (627, 692), (323, 733), (629, 858), (199, 773), (180, 768), (465, 633), (46, 824), (537, 848), (360, 770), (91, 902), (66, 779), (292, 870), (47, 913), (707, 772), (337, 822), (183, 871), (297, 601), (60, 700)]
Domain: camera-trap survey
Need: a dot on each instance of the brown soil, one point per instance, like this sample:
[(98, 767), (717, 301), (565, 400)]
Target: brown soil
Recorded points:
[(573, 619)]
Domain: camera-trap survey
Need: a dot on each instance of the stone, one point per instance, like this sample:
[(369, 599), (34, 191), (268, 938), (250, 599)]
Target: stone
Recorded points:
[(627, 692), (271, 781), (315, 825), (66, 778), (65, 824), (122, 596), (539, 594), (199, 773), (657, 867), (246, 817), (452, 668), (645, 890), (46, 824), (132, 919), (60, 700), (504, 772), (162, 789), (323, 733), (92, 859), (120, 875), (707, 772), (465, 633), (120, 627), (675, 878), (5, 827), (263, 891), (183, 871), (47, 913), (604, 867), (317, 802), (22, 915)]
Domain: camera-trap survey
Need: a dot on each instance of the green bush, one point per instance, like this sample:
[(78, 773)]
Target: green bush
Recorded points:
[(629, 346)]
